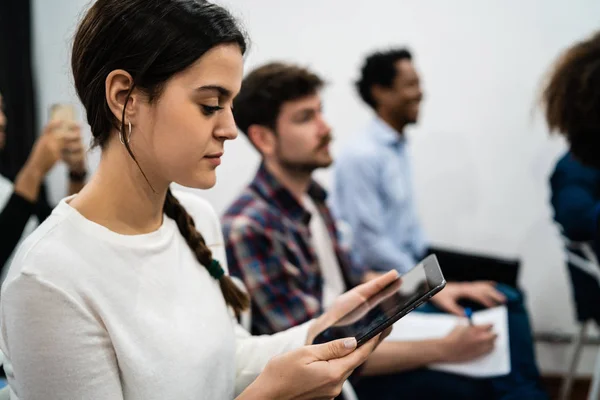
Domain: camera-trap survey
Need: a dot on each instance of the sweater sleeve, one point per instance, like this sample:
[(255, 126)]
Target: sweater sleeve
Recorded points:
[(54, 346), (13, 218), (253, 352)]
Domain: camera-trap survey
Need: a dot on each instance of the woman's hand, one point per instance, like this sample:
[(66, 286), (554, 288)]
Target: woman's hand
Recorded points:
[(348, 302), (46, 152), (73, 153), (311, 372), (47, 149)]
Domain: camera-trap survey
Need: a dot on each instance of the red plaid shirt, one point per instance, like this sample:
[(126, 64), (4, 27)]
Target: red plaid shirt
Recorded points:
[(268, 244)]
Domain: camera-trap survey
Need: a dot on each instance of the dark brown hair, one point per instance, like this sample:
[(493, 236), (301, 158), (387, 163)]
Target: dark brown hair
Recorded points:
[(152, 40), (265, 89), (571, 99)]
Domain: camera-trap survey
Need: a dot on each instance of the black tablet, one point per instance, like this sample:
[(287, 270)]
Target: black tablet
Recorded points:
[(389, 305)]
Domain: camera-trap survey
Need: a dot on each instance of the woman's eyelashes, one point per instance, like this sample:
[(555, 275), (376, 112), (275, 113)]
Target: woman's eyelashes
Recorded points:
[(210, 110)]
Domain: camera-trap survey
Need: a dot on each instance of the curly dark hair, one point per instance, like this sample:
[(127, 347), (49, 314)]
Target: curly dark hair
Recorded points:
[(379, 69), (571, 99), (265, 89)]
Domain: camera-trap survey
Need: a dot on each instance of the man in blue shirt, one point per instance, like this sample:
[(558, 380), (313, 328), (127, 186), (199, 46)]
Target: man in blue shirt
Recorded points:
[(373, 195), (385, 228)]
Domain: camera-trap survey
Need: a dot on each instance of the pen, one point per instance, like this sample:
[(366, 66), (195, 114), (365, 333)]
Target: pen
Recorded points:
[(469, 314)]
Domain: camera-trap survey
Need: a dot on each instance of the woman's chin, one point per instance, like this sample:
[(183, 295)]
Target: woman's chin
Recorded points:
[(204, 181)]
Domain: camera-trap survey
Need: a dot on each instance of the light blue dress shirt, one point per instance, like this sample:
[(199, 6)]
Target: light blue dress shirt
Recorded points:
[(373, 195)]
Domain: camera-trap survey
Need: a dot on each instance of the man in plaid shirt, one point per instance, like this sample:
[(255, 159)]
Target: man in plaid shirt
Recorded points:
[(267, 232), (282, 241)]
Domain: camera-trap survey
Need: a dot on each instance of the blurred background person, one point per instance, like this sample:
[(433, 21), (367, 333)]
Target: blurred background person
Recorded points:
[(372, 183), (571, 101), (373, 194), (23, 207), (575, 200)]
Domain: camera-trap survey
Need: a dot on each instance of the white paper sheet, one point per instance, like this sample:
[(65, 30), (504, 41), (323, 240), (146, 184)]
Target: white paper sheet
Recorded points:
[(422, 326)]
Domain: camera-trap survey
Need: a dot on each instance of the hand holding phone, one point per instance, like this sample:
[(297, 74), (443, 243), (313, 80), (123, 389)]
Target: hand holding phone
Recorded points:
[(69, 132), (310, 372), (62, 112)]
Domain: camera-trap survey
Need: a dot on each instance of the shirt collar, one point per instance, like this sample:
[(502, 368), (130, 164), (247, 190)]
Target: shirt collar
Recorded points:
[(384, 133), (268, 187)]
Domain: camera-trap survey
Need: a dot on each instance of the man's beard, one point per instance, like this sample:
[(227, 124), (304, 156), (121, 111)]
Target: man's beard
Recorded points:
[(300, 168), (304, 167)]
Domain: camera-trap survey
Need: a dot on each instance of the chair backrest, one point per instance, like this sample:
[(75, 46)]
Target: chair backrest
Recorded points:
[(584, 272), (582, 256), (460, 266)]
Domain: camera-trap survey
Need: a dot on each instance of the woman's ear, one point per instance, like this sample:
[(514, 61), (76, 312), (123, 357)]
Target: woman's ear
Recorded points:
[(118, 84)]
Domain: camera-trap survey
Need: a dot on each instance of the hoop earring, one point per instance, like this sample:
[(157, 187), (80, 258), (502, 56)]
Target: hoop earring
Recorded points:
[(128, 136)]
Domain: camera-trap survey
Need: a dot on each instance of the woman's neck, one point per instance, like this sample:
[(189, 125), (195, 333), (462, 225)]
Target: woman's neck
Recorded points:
[(119, 198)]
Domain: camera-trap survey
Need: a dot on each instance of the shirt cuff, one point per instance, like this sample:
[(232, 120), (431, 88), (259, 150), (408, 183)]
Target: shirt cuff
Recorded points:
[(254, 352)]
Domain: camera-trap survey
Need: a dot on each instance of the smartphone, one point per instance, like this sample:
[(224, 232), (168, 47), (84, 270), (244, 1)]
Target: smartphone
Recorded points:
[(62, 112), (388, 305)]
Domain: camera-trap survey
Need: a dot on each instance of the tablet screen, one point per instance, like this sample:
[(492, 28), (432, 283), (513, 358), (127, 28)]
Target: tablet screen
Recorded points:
[(391, 303)]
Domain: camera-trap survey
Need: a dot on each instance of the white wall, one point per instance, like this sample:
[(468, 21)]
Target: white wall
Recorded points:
[(481, 155)]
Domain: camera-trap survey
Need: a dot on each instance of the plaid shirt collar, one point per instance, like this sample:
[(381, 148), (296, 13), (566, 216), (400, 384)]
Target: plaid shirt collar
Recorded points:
[(277, 195)]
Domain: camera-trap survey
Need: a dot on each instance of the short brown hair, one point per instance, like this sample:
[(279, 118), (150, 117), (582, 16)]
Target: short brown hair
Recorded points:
[(267, 88), (571, 99)]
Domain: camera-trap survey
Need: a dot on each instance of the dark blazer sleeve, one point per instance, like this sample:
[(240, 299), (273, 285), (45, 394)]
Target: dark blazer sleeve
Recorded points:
[(575, 199), (13, 218)]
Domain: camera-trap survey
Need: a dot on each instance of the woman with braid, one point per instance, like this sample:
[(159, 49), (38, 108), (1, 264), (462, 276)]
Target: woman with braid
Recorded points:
[(123, 294)]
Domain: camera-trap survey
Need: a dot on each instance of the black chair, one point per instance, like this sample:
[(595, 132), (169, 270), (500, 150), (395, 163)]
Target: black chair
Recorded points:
[(462, 266), (584, 271)]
